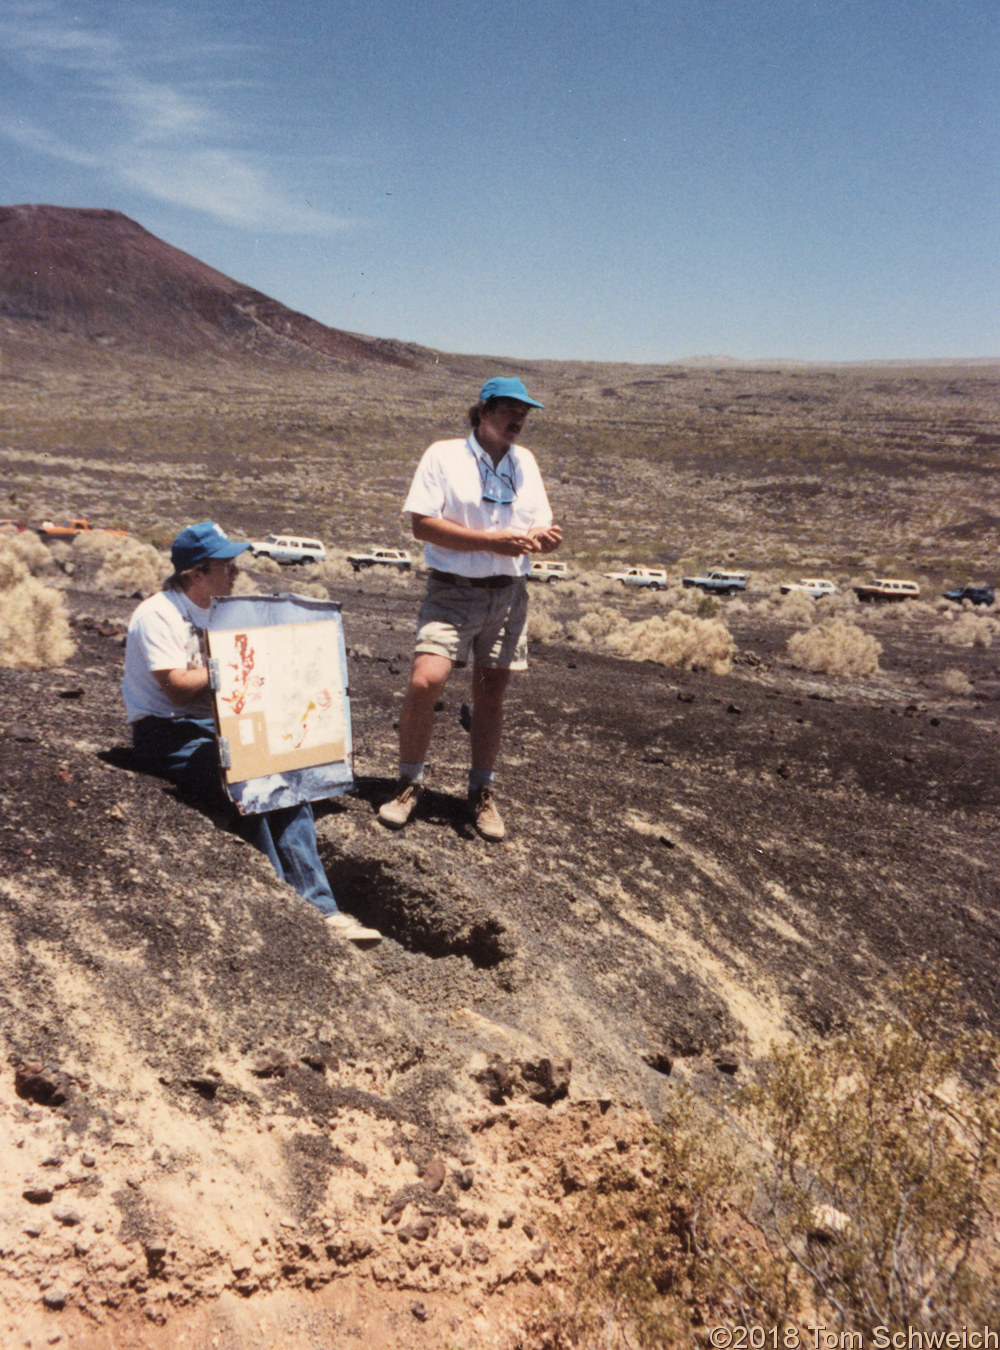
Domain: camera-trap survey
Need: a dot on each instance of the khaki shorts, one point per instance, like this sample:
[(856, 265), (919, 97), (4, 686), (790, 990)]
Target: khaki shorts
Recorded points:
[(492, 624)]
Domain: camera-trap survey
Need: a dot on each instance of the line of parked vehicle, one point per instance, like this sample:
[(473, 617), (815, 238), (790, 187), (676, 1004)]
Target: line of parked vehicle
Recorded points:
[(719, 582), (289, 549)]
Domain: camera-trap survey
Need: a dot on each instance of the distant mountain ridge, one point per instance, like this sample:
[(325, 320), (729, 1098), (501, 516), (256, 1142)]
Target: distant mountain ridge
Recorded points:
[(99, 276)]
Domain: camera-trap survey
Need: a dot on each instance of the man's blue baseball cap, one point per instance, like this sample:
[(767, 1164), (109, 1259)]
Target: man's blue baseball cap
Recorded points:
[(502, 386), (198, 543)]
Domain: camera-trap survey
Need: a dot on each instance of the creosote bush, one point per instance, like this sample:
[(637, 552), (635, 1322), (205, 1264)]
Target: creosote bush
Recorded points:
[(854, 1186), (893, 1129), (957, 682), (125, 566), (966, 629), (835, 647), (34, 627), (676, 639)]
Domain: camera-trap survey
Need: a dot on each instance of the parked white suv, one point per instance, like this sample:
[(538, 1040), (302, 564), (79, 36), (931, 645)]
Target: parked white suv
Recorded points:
[(380, 557), (649, 578), (544, 569), (817, 587), (288, 548)]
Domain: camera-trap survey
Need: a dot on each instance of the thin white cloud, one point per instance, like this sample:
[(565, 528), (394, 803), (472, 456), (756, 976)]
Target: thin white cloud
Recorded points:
[(150, 134), (160, 111), (42, 141), (226, 186)]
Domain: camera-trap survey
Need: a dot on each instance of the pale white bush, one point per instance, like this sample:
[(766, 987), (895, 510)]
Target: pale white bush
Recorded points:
[(315, 589), (966, 629), (543, 626), (835, 647), (129, 566), (266, 565), (34, 626), (13, 568), (796, 607), (956, 682), (595, 623), (30, 552), (676, 639), (245, 585), (334, 568), (93, 545)]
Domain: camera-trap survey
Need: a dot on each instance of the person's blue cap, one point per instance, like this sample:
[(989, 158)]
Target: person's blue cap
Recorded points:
[(198, 543), (502, 386)]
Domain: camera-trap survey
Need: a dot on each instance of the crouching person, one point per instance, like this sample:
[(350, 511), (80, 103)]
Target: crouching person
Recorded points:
[(168, 707)]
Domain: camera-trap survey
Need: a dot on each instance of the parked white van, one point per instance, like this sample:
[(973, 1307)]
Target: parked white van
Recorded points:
[(888, 588), (288, 548)]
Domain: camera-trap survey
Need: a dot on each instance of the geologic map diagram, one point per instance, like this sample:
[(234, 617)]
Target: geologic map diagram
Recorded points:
[(280, 697)]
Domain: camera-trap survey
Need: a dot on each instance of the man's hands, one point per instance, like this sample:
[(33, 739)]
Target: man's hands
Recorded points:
[(513, 543), (547, 540), (508, 543)]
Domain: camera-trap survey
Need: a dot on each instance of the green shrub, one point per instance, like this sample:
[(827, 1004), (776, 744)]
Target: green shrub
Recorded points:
[(881, 1127), (854, 1186)]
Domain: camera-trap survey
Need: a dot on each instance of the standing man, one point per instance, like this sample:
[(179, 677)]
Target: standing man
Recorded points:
[(168, 706), (480, 509)]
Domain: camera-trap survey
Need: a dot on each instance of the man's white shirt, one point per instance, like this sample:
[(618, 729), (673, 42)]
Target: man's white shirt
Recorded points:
[(449, 484), (164, 633)]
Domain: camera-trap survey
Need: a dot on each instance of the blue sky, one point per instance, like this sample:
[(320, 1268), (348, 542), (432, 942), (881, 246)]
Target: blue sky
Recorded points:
[(637, 180)]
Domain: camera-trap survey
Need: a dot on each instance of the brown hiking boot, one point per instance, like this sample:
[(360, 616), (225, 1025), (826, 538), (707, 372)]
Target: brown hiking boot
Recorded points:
[(397, 812), (485, 815)]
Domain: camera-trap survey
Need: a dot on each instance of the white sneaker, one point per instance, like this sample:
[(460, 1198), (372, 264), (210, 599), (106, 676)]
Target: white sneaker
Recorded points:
[(345, 926)]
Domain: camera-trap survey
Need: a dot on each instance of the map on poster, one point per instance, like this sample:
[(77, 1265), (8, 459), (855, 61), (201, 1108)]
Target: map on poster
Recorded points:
[(282, 710), (300, 699)]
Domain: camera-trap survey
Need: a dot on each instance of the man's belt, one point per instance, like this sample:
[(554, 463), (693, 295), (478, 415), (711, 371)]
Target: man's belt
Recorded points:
[(494, 583)]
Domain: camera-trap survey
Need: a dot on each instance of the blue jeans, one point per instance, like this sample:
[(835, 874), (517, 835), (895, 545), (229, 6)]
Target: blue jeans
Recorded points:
[(184, 751)]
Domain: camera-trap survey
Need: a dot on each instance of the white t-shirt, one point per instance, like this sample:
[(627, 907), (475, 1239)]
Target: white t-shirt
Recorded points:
[(449, 483), (166, 632)]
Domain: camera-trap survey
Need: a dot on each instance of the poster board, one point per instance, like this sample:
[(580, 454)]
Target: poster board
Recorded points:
[(278, 670)]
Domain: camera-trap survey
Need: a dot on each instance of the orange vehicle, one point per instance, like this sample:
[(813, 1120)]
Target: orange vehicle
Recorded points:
[(69, 529)]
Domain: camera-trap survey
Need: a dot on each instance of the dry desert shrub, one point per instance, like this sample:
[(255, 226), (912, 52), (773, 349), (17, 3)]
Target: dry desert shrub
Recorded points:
[(34, 627), (543, 626), (29, 550), (334, 568), (127, 566), (835, 647), (245, 585), (676, 639), (595, 623), (543, 623), (796, 607), (314, 589), (850, 1189), (956, 682), (967, 629), (265, 565)]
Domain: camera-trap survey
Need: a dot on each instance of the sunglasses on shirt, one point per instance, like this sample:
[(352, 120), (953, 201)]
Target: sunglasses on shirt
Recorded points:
[(498, 488)]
